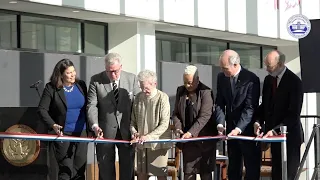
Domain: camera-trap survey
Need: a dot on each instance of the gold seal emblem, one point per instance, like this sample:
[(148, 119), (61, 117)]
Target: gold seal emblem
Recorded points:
[(20, 152)]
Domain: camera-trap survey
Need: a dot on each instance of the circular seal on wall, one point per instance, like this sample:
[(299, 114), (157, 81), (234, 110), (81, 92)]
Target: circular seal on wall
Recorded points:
[(20, 152), (298, 26)]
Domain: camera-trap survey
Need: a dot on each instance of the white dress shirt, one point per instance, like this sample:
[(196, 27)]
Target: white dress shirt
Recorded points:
[(117, 82)]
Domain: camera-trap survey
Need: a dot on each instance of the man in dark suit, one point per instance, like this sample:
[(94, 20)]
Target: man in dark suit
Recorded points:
[(281, 105), (110, 98), (238, 92)]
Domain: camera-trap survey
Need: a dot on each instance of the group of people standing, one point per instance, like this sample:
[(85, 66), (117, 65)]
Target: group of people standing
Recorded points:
[(120, 105)]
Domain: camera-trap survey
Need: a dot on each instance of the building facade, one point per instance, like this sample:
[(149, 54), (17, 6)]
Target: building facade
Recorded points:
[(161, 35)]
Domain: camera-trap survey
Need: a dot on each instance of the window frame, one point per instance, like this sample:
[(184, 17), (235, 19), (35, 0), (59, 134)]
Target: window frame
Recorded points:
[(16, 43), (208, 39), (188, 40), (190, 37), (82, 33)]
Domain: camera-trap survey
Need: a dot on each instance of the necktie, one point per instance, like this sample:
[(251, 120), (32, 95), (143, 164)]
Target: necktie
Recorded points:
[(115, 91), (233, 85), (274, 84)]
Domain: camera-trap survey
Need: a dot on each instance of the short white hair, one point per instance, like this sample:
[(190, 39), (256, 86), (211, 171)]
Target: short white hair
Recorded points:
[(191, 70), (233, 59), (112, 58), (146, 75)]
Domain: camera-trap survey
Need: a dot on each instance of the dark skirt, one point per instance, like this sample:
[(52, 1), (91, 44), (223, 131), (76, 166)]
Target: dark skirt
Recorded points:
[(199, 157)]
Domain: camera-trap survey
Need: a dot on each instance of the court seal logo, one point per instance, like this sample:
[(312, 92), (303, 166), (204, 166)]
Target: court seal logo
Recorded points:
[(20, 152), (298, 26)]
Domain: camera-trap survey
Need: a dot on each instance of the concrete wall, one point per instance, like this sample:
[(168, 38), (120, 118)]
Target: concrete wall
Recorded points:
[(18, 70)]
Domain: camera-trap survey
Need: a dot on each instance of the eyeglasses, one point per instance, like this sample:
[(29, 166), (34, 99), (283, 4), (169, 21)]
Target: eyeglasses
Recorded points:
[(115, 71)]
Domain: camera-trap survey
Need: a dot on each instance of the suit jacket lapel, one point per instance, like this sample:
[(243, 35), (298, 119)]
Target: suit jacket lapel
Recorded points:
[(62, 96), (239, 83), (197, 102), (123, 83), (107, 85), (282, 81), (228, 90), (182, 104), (80, 88)]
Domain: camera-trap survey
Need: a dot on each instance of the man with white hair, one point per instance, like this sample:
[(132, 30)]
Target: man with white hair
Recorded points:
[(282, 99), (238, 92), (150, 121), (192, 117), (110, 98)]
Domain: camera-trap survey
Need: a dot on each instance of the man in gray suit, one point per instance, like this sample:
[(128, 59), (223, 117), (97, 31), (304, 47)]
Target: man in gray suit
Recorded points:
[(110, 98)]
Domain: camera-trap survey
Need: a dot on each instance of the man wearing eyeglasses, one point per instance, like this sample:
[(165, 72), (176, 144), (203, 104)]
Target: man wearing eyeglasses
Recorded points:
[(110, 98), (281, 105)]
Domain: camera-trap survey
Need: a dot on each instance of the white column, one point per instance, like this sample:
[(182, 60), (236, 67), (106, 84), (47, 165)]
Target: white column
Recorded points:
[(136, 43), (147, 44)]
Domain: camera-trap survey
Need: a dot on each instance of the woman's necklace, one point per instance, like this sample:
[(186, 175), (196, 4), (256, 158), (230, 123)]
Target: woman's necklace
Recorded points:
[(68, 90)]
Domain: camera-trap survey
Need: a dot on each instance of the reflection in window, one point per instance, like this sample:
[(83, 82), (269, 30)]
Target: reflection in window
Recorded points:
[(172, 48), (94, 39), (206, 51), (249, 54), (8, 31), (50, 34)]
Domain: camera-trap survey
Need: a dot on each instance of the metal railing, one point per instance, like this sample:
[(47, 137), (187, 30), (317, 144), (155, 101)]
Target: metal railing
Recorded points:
[(315, 135)]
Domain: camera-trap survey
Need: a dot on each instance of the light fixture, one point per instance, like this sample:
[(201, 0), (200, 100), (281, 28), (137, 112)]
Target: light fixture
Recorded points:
[(128, 19), (75, 11), (13, 2)]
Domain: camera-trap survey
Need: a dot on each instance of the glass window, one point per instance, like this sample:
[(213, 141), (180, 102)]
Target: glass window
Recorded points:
[(266, 50), (158, 71), (249, 54), (50, 34), (8, 31), (172, 48), (94, 39), (206, 51)]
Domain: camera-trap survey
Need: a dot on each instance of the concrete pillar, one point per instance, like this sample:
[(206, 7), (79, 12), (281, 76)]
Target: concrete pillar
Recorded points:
[(136, 43)]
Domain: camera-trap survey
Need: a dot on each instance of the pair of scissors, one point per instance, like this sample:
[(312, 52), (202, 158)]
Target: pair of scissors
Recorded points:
[(258, 136)]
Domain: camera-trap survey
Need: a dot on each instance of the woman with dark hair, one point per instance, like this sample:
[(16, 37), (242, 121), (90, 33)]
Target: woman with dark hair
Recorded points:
[(62, 109)]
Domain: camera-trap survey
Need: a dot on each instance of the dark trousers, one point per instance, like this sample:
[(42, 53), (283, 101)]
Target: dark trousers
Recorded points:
[(244, 152), (199, 158), (106, 159), (293, 157), (71, 158)]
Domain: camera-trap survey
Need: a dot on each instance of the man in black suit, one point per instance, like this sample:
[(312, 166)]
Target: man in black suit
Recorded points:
[(238, 92), (281, 105)]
